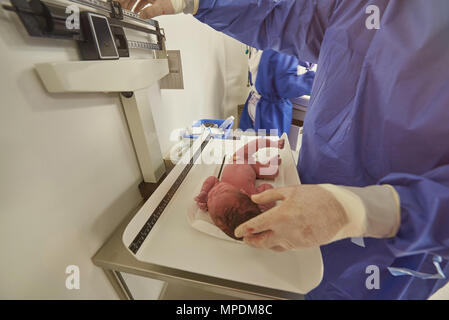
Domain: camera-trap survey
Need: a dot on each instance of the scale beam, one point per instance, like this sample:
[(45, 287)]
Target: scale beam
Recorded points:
[(132, 76)]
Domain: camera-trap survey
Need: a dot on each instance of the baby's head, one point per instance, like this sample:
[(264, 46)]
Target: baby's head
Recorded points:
[(229, 207)]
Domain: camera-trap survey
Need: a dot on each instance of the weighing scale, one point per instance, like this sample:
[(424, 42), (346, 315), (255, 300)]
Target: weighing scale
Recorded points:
[(160, 234)]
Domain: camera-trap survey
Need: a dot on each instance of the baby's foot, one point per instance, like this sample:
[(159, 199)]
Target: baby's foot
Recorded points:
[(201, 200)]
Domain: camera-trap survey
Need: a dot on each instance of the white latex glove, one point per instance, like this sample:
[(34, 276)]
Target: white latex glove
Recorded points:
[(311, 215), (160, 7)]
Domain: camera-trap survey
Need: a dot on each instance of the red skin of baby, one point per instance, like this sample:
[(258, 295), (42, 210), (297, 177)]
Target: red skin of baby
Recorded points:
[(229, 200)]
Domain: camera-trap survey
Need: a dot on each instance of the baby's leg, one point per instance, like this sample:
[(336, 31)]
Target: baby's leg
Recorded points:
[(266, 206), (268, 170), (244, 154), (201, 199)]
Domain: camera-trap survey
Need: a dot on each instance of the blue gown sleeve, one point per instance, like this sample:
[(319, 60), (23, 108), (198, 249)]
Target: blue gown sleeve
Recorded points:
[(292, 27), (291, 85), (277, 76), (424, 212)]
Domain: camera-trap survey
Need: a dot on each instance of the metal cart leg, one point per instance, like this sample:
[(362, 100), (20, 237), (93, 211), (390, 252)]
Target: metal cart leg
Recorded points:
[(119, 284)]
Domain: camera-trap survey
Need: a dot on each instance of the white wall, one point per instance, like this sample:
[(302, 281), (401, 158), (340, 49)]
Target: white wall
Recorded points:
[(215, 75), (68, 172)]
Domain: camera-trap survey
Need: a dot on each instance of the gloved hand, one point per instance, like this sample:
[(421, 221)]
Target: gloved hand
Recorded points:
[(313, 215), (160, 7)]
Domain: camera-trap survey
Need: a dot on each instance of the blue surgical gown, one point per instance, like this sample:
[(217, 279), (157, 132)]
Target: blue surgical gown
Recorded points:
[(277, 81), (379, 114)]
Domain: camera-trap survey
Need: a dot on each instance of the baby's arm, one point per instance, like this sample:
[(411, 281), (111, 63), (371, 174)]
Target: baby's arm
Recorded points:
[(262, 188), (201, 199), (248, 150), (268, 170)]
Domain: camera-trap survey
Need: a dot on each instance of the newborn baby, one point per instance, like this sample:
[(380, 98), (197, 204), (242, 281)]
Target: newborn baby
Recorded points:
[(228, 201)]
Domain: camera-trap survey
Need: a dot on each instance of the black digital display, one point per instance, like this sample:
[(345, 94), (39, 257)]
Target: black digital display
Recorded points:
[(104, 38)]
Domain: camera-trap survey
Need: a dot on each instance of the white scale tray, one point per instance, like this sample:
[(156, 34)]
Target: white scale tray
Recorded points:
[(173, 243)]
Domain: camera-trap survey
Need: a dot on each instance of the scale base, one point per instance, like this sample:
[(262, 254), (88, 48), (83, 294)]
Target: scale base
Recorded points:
[(147, 188)]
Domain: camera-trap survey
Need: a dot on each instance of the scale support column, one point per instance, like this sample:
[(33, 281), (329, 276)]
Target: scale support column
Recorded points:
[(143, 132)]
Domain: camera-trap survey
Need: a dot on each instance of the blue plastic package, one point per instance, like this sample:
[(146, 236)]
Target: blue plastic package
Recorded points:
[(226, 134)]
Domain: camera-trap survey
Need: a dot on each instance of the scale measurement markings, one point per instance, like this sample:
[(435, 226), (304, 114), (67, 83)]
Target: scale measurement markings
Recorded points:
[(143, 233), (132, 44), (105, 6)]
